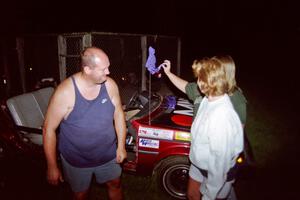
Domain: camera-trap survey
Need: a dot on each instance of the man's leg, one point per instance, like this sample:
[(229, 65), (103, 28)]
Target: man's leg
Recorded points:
[(78, 178), (80, 195), (114, 189), (110, 173)]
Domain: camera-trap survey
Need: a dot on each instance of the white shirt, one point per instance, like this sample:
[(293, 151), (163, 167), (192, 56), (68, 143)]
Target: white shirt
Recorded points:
[(217, 140)]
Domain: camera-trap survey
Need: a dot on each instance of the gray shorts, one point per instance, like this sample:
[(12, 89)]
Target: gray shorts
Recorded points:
[(80, 178), (195, 174)]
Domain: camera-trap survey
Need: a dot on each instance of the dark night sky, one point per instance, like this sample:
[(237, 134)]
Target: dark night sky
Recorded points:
[(262, 35), (163, 17)]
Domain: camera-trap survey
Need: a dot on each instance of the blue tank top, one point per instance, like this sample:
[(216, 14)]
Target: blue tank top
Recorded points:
[(87, 137)]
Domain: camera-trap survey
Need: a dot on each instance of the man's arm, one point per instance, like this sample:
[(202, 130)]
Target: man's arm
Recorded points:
[(119, 119), (177, 81), (57, 109)]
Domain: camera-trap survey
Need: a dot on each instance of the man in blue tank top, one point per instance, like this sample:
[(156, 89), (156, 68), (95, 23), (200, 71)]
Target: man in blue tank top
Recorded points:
[(88, 110)]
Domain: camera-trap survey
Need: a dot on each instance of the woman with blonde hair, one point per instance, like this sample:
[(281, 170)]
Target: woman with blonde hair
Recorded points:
[(217, 135), (191, 89), (235, 93)]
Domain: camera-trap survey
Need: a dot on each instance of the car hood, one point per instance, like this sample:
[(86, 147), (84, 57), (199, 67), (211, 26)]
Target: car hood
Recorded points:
[(173, 113)]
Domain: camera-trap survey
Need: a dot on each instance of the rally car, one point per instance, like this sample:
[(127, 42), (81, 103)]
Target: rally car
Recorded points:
[(160, 127), (158, 138)]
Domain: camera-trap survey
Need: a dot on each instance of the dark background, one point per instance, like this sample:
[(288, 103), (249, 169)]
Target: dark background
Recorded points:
[(263, 36)]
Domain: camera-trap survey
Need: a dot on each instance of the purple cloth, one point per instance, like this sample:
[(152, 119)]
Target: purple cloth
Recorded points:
[(170, 102), (151, 62)]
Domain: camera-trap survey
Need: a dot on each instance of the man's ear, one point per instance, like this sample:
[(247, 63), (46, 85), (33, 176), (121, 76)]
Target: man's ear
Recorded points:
[(87, 69)]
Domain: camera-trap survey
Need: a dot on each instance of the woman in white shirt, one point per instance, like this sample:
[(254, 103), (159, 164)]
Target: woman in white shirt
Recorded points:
[(217, 135)]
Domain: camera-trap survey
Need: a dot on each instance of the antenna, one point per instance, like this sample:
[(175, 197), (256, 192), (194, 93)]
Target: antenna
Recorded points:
[(153, 70)]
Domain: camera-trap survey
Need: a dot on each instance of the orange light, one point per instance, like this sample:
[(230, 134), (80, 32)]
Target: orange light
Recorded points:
[(240, 160)]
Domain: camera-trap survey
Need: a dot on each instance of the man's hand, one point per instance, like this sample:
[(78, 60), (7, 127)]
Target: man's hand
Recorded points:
[(54, 176), (121, 155)]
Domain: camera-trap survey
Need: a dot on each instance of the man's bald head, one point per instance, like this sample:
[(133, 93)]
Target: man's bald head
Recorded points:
[(91, 56)]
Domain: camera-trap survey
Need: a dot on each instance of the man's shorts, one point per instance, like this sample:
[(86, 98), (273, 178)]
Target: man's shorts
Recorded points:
[(80, 178), (195, 174)]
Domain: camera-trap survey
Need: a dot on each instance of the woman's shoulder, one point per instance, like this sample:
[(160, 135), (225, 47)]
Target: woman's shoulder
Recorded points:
[(238, 96)]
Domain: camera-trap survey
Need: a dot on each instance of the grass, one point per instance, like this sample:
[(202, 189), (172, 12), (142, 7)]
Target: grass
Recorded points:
[(274, 137), (264, 137), (134, 188), (269, 127)]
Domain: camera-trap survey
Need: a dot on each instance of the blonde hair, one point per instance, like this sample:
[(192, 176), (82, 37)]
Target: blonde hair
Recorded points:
[(196, 66), (229, 67), (211, 76)]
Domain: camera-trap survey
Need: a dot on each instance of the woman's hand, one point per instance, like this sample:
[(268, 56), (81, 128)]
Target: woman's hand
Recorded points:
[(167, 66)]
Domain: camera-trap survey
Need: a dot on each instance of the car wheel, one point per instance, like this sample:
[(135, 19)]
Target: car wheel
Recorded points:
[(173, 175)]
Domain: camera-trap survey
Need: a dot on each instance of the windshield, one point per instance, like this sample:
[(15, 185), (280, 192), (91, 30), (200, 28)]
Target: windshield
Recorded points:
[(142, 104)]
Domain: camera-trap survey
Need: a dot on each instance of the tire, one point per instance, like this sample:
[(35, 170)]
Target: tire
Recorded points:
[(173, 175)]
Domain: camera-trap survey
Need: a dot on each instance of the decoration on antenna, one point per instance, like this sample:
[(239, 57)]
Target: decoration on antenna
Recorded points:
[(151, 63)]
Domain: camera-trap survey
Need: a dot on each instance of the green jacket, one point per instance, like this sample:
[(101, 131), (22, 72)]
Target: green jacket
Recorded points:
[(237, 99)]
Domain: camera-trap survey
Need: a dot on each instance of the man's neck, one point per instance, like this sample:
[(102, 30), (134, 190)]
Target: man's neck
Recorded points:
[(87, 88), (86, 82)]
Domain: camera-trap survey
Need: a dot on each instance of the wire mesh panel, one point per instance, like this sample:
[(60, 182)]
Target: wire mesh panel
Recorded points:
[(113, 47), (40, 59), (124, 53), (58, 56), (73, 49), (72, 65), (74, 45), (166, 48)]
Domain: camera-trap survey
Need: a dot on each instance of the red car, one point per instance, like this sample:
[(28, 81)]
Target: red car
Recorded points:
[(158, 140)]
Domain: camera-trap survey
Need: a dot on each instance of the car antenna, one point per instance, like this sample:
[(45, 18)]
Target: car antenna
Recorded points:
[(151, 66)]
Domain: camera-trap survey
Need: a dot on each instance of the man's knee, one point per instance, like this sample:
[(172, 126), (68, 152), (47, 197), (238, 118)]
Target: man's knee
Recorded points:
[(114, 189), (114, 184), (80, 195)]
